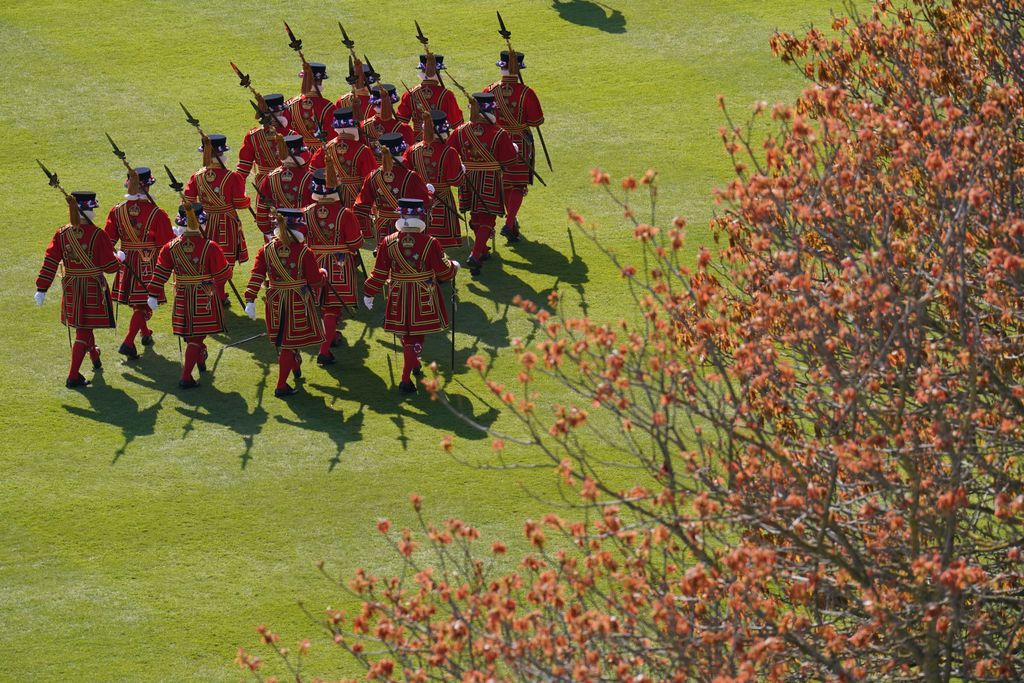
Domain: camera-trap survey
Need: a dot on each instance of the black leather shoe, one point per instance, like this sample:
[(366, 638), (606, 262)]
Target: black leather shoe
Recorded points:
[(188, 383), (128, 351), (288, 390), (73, 382), (325, 359), (406, 387), (97, 363), (474, 266), (147, 340), (507, 232)]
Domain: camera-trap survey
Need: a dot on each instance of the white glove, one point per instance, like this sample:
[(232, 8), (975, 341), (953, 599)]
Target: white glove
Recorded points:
[(152, 303), (464, 166), (430, 188), (516, 146), (456, 264), (120, 255), (40, 297), (250, 310), (368, 302), (178, 231)]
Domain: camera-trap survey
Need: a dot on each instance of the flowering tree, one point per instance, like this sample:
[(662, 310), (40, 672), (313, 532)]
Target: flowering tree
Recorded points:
[(825, 413)]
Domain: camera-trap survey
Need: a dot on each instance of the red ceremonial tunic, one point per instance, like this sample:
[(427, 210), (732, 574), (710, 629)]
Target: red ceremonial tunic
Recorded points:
[(517, 110), (379, 197), (439, 165), (333, 235), (414, 264), (374, 127), (353, 162), (362, 109), (259, 148), (287, 187), (142, 229), (199, 267), (86, 253), (423, 98), (309, 112), (486, 150), (222, 194), (292, 317)]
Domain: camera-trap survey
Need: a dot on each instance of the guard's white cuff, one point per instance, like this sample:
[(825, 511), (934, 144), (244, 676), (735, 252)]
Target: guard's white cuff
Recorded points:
[(152, 302)]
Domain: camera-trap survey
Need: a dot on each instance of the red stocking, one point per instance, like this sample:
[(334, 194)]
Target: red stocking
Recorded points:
[(193, 354), (483, 227), (330, 329), (412, 346), (286, 363), (94, 351), (146, 315), (78, 349), (513, 200), (137, 324)]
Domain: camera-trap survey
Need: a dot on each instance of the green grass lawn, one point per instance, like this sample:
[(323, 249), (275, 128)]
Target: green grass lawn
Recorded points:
[(144, 532)]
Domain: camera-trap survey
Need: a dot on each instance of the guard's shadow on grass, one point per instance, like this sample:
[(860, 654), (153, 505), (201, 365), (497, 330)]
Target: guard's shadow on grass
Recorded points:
[(588, 13), (205, 404), (501, 283), (318, 413), (116, 407), (362, 385)]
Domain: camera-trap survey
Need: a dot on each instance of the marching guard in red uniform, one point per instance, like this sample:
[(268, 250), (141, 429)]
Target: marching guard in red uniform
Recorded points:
[(221, 191), (200, 271), (486, 150), (383, 120), (292, 317), (440, 166), (142, 228), (376, 206), (358, 100), (351, 158), (517, 109), (414, 264), (311, 112), (288, 185), (259, 146), (333, 235), (86, 253), (430, 95)]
